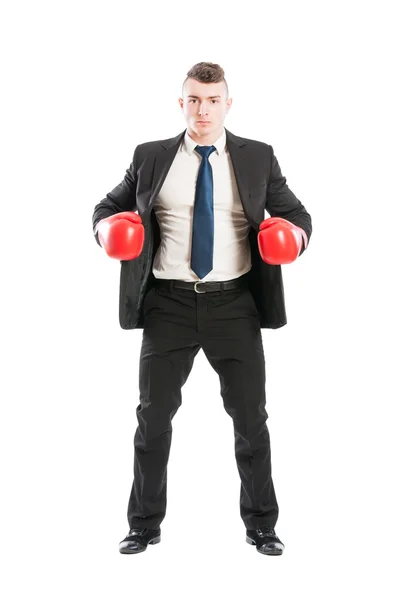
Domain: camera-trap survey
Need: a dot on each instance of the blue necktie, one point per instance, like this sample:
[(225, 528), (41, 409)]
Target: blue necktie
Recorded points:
[(203, 216)]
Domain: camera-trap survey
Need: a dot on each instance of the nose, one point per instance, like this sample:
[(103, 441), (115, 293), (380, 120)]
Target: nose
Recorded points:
[(202, 111)]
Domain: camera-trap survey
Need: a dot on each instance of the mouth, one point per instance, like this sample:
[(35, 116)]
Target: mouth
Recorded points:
[(203, 122)]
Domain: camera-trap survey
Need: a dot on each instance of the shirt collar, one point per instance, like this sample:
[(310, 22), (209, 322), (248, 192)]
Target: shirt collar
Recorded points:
[(189, 144)]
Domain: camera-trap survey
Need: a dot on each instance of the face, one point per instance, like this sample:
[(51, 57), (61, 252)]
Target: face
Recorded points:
[(205, 107)]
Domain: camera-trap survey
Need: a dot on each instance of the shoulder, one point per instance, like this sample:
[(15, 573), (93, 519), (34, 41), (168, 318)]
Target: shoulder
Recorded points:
[(254, 145), (156, 145)]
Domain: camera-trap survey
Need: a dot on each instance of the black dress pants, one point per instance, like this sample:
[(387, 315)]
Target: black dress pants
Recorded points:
[(225, 324)]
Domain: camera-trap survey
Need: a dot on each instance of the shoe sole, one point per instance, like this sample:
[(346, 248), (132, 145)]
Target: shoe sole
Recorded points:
[(275, 551), (128, 550)]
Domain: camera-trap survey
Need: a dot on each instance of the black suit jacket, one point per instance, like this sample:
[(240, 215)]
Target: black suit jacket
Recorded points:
[(261, 186)]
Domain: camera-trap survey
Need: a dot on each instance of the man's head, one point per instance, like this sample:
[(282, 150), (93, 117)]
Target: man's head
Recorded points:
[(205, 98)]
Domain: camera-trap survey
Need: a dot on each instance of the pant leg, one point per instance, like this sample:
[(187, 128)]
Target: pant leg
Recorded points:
[(233, 346), (167, 355)]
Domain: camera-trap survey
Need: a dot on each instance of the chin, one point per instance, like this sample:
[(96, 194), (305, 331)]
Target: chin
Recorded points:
[(203, 128)]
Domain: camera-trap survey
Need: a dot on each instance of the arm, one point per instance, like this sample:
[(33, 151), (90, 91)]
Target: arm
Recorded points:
[(121, 198), (281, 202)]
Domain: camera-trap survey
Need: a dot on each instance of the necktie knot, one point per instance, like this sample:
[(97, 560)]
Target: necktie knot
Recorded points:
[(205, 151)]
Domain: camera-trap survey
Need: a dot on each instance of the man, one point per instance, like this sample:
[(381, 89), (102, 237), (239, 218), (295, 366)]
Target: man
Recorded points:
[(201, 268)]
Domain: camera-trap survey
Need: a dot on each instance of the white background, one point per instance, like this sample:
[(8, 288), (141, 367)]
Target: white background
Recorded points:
[(84, 83)]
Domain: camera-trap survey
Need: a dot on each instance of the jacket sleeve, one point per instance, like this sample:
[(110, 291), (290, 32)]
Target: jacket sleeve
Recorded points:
[(281, 202), (121, 198)]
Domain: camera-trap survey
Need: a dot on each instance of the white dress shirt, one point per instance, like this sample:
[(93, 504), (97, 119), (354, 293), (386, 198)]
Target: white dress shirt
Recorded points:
[(174, 207)]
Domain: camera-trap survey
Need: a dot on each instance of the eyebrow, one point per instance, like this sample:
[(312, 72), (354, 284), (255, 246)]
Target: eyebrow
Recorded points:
[(191, 96)]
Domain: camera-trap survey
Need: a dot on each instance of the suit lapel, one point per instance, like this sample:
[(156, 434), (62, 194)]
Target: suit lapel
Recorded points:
[(236, 147)]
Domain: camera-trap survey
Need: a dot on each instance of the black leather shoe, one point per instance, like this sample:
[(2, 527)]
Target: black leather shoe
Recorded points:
[(138, 539), (266, 540)]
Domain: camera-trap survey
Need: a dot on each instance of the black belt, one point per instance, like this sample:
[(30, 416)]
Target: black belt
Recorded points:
[(204, 286)]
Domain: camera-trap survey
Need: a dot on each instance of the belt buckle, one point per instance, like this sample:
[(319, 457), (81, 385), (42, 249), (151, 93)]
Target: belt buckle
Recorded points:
[(198, 291)]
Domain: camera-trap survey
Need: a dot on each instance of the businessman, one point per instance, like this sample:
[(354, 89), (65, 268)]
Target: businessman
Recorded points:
[(201, 269)]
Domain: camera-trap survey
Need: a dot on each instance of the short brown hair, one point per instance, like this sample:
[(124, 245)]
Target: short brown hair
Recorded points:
[(206, 72)]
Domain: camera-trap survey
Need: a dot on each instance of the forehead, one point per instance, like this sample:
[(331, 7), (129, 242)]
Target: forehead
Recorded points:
[(204, 90)]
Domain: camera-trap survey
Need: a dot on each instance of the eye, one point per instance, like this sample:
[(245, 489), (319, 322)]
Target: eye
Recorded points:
[(194, 100)]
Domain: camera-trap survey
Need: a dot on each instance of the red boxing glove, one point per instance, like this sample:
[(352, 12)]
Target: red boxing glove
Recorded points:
[(280, 241), (121, 235)]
